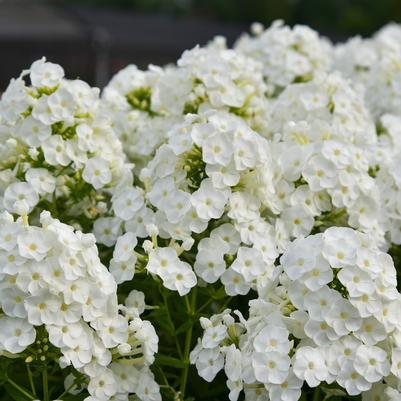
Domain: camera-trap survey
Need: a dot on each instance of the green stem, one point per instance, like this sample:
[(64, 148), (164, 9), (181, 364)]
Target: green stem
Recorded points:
[(177, 344), (191, 307), (31, 380), (45, 385), (187, 305), (224, 306), (316, 394), (67, 390), (205, 305), (20, 389)]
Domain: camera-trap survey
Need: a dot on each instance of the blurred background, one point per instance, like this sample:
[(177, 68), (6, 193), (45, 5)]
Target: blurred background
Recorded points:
[(92, 39)]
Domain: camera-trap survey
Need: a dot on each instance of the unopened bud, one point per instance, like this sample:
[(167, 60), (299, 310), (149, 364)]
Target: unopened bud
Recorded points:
[(257, 28), (152, 230), (147, 245), (124, 348)]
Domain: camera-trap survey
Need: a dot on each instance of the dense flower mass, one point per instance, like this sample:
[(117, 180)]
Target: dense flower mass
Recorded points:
[(331, 315), (52, 279), (57, 148), (251, 194), (287, 55)]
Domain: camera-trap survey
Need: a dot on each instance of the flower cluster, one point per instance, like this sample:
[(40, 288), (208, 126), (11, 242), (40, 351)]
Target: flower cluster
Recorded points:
[(374, 64), (287, 55), (262, 192), (57, 150), (331, 316), (145, 104), (52, 278)]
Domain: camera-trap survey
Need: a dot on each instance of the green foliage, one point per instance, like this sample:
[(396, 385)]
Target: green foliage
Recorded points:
[(65, 132), (194, 167), (140, 99)]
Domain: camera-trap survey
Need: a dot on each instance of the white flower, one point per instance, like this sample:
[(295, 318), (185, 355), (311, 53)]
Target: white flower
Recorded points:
[(233, 365), (371, 362), (340, 246), (218, 149), (351, 380), (176, 206), (320, 275), (229, 235), (209, 362), (20, 198), (176, 275), (271, 367), (272, 338), (249, 263), (234, 283), (123, 270), (371, 331), (320, 332), (343, 317), (208, 201), (41, 180), (15, 334), (300, 258), (309, 365), (214, 335), (97, 172), (181, 278), (33, 244), (107, 230), (62, 104), (320, 173), (147, 389), (124, 248), (12, 302), (356, 281), (103, 385), (210, 263), (162, 261), (45, 75), (127, 203), (235, 388), (112, 330), (135, 300), (55, 151), (127, 377), (34, 132), (43, 308), (289, 390), (298, 220)]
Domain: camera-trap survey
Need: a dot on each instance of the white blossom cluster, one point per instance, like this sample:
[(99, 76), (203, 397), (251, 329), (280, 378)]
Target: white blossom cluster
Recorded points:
[(270, 170), (56, 144), (287, 55), (332, 315), (374, 63), (145, 104), (51, 276)]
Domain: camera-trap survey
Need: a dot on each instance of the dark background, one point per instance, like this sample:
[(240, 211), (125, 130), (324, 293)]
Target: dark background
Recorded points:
[(93, 39)]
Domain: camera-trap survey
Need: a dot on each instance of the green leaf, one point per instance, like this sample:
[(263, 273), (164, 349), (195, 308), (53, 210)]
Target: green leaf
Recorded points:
[(165, 360), (184, 327), (3, 370), (221, 293), (15, 394), (333, 392)]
